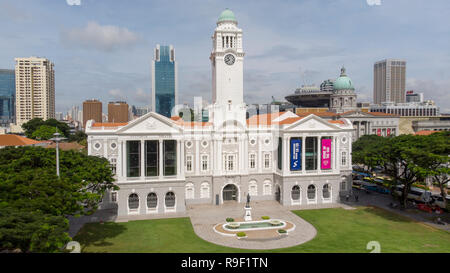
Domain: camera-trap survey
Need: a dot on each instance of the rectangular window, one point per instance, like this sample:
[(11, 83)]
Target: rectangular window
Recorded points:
[(344, 159), (311, 153), (204, 162), (133, 158), (280, 153), (189, 163), (266, 161), (113, 164), (151, 157), (229, 162), (114, 196), (252, 161), (170, 157)]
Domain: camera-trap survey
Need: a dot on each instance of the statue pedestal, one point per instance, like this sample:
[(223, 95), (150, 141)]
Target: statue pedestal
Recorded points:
[(248, 214)]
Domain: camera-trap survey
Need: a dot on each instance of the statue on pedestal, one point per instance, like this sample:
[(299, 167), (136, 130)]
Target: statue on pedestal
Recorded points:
[(247, 205)]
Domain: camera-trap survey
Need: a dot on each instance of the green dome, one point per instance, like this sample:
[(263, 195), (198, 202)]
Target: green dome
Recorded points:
[(227, 15), (343, 82)]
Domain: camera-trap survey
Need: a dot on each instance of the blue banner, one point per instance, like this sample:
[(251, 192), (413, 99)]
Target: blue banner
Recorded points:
[(296, 154)]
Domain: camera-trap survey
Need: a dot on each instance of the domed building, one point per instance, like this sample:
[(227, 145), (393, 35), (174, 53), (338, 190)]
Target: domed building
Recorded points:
[(343, 98)]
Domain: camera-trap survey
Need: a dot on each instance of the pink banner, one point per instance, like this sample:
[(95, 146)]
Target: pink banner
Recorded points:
[(326, 154)]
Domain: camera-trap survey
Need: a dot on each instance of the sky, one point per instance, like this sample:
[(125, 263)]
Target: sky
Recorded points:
[(103, 48)]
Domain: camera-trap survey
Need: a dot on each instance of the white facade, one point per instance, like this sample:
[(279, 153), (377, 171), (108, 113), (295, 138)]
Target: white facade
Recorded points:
[(164, 164)]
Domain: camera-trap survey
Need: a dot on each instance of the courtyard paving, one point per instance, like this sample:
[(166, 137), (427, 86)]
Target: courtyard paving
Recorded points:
[(205, 217)]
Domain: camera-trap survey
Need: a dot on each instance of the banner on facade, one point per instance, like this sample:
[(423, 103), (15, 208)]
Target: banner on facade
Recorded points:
[(296, 154), (326, 154), (378, 132), (388, 131)]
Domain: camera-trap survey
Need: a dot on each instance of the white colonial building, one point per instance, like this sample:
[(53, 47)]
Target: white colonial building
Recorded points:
[(164, 164)]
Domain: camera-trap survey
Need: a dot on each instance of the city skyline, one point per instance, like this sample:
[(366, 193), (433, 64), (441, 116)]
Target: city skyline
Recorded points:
[(82, 41)]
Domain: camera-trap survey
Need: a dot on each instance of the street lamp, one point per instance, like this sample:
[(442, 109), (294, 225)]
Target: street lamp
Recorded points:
[(57, 139)]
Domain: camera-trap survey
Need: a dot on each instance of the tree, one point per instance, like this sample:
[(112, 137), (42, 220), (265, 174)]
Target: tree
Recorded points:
[(28, 180), (368, 150), (32, 125), (437, 162), (32, 231), (38, 200), (45, 132), (79, 137), (408, 159)]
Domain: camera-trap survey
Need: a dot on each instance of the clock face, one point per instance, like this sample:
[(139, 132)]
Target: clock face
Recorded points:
[(229, 59)]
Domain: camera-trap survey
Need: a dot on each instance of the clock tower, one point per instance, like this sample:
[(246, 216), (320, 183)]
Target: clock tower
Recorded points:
[(227, 59)]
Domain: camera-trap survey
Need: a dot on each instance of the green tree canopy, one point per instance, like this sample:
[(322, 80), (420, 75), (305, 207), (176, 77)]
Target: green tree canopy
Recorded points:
[(32, 125), (28, 180), (34, 202), (45, 132), (406, 158)]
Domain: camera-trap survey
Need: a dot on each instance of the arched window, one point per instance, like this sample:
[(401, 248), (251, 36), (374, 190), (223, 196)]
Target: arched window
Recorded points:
[(152, 200), (204, 190), (295, 193), (311, 192), (133, 201), (252, 188), (189, 191), (343, 183), (170, 199), (267, 190), (326, 191)]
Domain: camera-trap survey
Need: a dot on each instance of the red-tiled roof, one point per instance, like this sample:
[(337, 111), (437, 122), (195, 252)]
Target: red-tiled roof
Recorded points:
[(425, 133), (109, 124), (16, 140)]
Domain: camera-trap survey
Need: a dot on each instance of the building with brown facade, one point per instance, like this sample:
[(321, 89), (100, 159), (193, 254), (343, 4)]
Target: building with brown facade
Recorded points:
[(118, 111), (92, 109)]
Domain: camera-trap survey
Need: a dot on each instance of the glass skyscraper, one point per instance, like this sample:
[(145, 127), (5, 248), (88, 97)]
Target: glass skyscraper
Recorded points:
[(164, 80), (7, 97)]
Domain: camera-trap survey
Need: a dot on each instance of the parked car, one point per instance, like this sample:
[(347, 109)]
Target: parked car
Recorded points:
[(416, 194), (439, 201)]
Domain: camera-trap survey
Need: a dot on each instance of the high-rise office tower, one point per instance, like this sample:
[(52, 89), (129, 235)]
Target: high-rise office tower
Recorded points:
[(389, 81), (7, 97), (35, 89), (92, 109), (118, 111), (164, 80)]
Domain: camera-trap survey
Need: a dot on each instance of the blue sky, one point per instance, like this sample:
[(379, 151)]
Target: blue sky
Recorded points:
[(103, 48)]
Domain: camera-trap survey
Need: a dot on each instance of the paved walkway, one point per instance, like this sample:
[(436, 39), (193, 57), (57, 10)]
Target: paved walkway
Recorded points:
[(205, 217)]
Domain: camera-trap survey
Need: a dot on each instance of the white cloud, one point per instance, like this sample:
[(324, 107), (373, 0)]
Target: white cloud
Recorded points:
[(116, 94), (73, 2), (105, 38)]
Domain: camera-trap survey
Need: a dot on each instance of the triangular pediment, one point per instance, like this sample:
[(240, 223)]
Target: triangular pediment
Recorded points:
[(312, 123), (151, 123)]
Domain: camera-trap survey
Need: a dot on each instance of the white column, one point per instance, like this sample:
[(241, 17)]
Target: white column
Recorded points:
[(303, 153), (105, 148), (142, 159), (182, 158), (333, 153), (124, 158), (285, 155), (245, 163), (119, 159), (178, 151), (319, 153), (219, 156), (197, 157), (259, 161), (161, 159)]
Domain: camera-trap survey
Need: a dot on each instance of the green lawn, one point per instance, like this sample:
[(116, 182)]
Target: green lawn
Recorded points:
[(338, 230)]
